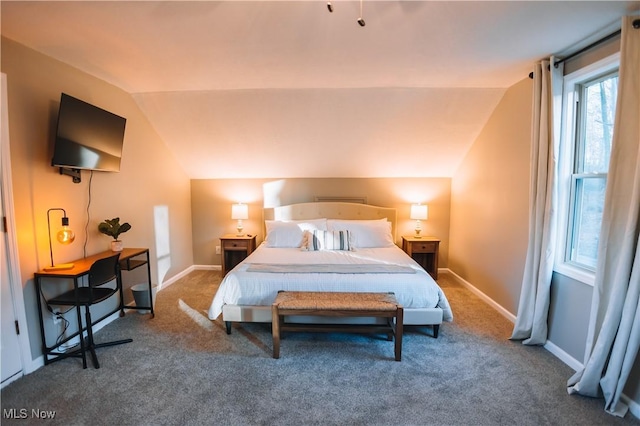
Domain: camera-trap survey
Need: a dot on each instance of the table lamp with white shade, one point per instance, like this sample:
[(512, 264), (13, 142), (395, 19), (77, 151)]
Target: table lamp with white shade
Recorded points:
[(239, 212), (419, 212)]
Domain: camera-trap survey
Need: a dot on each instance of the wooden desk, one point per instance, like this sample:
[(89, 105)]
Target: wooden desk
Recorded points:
[(130, 258)]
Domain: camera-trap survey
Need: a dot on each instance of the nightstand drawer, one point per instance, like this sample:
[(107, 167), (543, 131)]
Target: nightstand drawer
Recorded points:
[(426, 247), (236, 244)]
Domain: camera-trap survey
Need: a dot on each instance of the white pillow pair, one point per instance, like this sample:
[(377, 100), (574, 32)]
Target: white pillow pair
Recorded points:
[(365, 233), (362, 234), (290, 234)]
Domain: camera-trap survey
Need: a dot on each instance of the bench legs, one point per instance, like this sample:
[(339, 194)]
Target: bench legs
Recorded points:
[(397, 330), (275, 330)]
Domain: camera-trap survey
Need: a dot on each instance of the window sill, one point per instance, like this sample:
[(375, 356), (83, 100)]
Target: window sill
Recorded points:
[(579, 274)]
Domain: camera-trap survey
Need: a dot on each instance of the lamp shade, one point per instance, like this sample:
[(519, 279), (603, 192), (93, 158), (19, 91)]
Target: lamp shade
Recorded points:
[(419, 212), (239, 211)]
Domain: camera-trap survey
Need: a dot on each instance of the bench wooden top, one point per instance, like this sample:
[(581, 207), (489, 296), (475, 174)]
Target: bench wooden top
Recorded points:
[(335, 301)]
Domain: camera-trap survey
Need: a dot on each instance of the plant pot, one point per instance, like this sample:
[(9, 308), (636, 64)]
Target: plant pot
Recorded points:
[(116, 245)]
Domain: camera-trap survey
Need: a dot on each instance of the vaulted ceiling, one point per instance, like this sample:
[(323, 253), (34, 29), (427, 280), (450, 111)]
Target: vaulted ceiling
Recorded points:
[(292, 90)]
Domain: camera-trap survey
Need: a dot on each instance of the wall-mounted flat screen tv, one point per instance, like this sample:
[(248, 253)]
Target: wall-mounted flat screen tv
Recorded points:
[(87, 137)]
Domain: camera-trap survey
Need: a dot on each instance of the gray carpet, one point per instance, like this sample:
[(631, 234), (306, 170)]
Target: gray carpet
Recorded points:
[(184, 369)]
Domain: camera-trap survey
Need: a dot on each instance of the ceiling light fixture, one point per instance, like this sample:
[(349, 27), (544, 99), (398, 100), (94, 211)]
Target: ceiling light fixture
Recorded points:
[(360, 20)]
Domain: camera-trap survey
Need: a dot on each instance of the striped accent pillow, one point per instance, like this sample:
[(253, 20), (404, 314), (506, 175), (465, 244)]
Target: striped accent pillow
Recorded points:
[(328, 240)]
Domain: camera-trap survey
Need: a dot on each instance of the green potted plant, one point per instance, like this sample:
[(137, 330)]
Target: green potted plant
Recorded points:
[(113, 228)]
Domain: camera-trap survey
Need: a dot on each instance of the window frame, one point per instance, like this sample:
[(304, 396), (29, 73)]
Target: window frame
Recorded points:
[(566, 178)]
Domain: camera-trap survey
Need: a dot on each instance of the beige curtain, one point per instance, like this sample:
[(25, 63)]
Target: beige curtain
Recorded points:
[(614, 329), (533, 308)]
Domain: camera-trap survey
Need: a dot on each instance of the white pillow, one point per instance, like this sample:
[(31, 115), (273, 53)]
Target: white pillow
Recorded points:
[(286, 234), (327, 240), (365, 233)]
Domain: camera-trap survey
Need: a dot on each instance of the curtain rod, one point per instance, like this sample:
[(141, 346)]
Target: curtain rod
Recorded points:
[(636, 25), (589, 47)]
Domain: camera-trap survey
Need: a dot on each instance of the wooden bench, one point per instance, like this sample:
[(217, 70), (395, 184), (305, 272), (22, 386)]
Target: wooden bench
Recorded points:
[(337, 304)]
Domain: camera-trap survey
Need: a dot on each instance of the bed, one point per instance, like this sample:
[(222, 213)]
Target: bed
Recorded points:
[(328, 246)]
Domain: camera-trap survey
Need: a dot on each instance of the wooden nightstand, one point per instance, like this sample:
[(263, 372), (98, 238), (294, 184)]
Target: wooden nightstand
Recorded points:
[(235, 249), (424, 251)]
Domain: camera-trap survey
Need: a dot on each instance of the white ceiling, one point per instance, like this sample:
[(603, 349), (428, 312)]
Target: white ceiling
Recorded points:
[(406, 95)]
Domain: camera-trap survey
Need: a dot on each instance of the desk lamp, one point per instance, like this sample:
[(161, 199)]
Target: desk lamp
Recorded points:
[(239, 211), (64, 236), (419, 212)]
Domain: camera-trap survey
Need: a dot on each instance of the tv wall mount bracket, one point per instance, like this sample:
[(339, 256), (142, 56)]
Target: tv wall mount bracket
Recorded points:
[(74, 173)]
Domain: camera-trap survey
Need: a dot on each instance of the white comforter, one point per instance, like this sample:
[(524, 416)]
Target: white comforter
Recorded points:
[(412, 290)]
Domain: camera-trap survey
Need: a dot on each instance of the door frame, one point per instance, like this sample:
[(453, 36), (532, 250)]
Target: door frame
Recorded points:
[(13, 260)]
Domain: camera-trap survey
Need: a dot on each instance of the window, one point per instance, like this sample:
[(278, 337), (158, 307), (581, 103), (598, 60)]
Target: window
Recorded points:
[(589, 104)]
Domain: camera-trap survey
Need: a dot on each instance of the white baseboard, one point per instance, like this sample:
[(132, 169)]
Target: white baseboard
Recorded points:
[(208, 267), (186, 272), (176, 277), (505, 313), (563, 356), (634, 407), (12, 379)]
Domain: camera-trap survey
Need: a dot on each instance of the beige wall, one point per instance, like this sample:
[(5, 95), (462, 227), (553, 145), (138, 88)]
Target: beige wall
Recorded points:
[(490, 199), (149, 175), (489, 226), (212, 200)]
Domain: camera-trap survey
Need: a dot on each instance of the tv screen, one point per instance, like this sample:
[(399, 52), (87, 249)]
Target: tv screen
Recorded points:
[(87, 137)]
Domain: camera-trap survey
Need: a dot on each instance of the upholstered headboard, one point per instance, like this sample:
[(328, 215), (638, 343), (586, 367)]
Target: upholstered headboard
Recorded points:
[(332, 210)]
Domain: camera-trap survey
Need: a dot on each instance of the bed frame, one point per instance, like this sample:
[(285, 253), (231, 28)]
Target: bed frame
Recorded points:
[(330, 210)]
